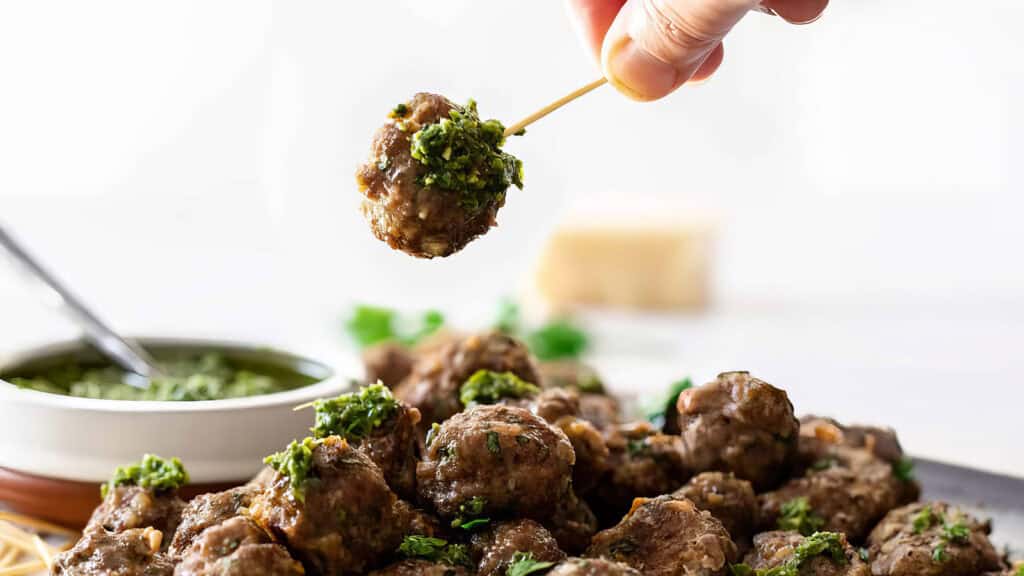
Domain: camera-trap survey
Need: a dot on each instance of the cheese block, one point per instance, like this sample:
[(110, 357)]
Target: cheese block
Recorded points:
[(644, 266)]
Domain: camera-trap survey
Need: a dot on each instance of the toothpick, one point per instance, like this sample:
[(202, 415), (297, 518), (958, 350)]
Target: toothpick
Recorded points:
[(553, 106)]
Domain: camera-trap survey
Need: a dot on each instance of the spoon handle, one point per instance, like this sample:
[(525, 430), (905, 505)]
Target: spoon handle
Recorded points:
[(125, 353)]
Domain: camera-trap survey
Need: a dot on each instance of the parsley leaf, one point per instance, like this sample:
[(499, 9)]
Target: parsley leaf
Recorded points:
[(434, 550), (797, 515), (354, 415), (923, 520), (487, 387), (469, 512), (818, 544), (152, 472), (523, 564), (557, 339), (904, 469), (371, 325), (655, 412), (493, 443)]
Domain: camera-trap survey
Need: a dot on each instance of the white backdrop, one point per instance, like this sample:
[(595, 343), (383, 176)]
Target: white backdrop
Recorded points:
[(188, 167)]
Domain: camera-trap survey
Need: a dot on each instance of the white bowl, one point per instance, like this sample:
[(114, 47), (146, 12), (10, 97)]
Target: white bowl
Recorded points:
[(84, 439)]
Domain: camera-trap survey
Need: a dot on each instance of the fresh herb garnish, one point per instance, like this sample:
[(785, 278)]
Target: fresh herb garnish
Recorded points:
[(493, 443), (152, 472), (435, 429), (434, 550), (468, 514), (354, 415), (523, 564), (797, 515), (557, 339), (399, 111), (939, 552), (818, 544), (923, 520), (295, 462), (463, 154), (487, 387), (904, 469), (371, 325), (956, 532), (655, 412), (864, 554), (823, 464)]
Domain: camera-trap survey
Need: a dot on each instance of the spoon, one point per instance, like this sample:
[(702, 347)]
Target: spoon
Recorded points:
[(126, 354)]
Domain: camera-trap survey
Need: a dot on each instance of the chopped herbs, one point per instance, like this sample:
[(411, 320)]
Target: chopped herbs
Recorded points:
[(462, 154), (523, 564), (797, 515), (904, 469), (493, 443), (371, 325), (818, 544), (636, 447), (487, 387), (823, 464), (923, 520), (956, 532), (152, 472), (939, 552), (435, 550), (655, 412), (435, 429), (295, 462), (399, 111), (557, 339), (355, 415), (469, 512), (864, 554), (1020, 570)]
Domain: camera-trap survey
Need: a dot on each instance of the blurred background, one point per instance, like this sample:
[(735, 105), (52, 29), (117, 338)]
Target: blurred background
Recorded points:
[(188, 168)]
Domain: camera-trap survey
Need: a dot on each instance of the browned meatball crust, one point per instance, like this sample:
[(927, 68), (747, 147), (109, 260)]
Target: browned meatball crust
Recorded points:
[(388, 363), (600, 410), (392, 446), (774, 549), (847, 499), (347, 519), (916, 540), (641, 462), (739, 424), (208, 510), (666, 536), (502, 460), (495, 547), (592, 454), (819, 436), (592, 567), (727, 498), (423, 222), (236, 547), (433, 387), (573, 524), (129, 507), (100, 552), (419, 568)]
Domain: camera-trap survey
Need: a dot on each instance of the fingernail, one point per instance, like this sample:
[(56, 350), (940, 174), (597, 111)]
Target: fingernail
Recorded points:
[(636, 72)]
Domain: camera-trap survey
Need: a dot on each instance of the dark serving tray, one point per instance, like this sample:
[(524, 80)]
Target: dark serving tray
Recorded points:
[(986, 495)]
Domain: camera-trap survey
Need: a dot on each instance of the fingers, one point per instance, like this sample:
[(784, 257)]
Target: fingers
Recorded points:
[(655, 46), (797, 11), (709, 66), (592, 18)]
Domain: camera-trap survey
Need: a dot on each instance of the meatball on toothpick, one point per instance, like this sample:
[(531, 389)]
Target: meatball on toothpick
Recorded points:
[(436, 176)]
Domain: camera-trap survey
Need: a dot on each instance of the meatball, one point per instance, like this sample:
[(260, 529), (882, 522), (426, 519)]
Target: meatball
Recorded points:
[(600, 410), (496, 546), (727, 498), (667, 536), (340, 519), (739, 424), (839, 498), (383, 428), (429, 218), (818, 436), (208, 510), (129, 552), (931, 539), (388, 363), (417, 521), (641, 462), (236, 547), (433, 387), (777, 549), (419, 568), (128, 507), (570, 374), (552, 404), (592, 453), (572, 524), (592, 567), (495, 461)]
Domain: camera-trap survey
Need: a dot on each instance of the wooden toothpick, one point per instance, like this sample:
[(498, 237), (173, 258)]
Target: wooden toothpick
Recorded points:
[(552, 107)]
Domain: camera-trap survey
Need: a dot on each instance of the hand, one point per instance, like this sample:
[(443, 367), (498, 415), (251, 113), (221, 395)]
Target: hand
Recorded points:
[(649, 48)]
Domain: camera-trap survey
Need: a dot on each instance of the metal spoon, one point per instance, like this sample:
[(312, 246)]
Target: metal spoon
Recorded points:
[(123, 352)]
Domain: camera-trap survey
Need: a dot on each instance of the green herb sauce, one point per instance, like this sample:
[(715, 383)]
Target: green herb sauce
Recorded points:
[(354, 415), (295, 462), (818, 544), (487, 387), (152, 472)]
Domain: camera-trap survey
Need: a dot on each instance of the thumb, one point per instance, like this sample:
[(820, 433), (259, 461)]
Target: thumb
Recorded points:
[(655, 46)]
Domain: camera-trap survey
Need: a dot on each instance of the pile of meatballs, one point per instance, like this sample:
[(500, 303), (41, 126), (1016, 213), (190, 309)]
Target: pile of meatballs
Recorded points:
[(555, 481)]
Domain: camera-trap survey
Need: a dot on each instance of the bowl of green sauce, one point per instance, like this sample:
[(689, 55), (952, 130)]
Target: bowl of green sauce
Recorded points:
[(67, 414)]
